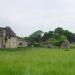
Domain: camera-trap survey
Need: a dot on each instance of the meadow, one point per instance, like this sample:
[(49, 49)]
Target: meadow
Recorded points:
[(37, 61)]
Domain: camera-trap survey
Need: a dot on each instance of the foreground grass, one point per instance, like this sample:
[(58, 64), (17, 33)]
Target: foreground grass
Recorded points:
[(37, 61)]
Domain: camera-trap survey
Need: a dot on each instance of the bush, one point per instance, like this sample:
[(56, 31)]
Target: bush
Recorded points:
[(36, 44), (60, 39), (52, 41), (57, 41)]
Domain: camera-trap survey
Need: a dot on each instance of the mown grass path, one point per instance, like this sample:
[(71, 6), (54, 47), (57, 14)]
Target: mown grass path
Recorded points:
[(37, 61)]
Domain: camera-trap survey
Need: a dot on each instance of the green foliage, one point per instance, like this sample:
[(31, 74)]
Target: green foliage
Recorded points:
[(60, 39), (37, 33), (37, 61), (36, 44), (35, 38), (59, 36), (45, 36), (59, 31), (51, 34), (67, 33), (57, 41), (52, 41), (48, 35)]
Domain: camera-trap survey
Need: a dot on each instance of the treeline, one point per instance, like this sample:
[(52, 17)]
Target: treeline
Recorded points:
[(55, 38)]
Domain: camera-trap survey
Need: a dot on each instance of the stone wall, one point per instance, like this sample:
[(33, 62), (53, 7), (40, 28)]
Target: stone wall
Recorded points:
[(0, 42), (14, 42), (22, 43), (11, 42)]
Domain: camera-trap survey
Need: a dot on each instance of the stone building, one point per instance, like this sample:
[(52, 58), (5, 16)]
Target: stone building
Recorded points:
[(65, 44), (8, 39), (21, 42)]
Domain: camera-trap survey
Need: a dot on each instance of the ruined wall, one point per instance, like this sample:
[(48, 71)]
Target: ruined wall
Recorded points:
[(22, 43), (11, 42), (0, 42), (14, 42), (2, 38)]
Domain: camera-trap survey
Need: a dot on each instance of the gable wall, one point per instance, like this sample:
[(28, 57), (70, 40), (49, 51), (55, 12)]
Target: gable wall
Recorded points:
[(11, 42), (22, 43), (2, 38)]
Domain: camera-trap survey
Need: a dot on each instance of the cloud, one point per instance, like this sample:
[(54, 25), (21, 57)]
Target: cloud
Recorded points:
[(27, 16)]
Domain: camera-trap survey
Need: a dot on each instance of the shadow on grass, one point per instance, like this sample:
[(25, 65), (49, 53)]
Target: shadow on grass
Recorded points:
[(32, 48), (14, 49)]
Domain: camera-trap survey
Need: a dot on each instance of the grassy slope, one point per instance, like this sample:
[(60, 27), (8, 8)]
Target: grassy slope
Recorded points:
[(37, 61)]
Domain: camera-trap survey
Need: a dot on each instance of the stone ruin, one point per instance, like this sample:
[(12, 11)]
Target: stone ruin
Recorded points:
[(65, 44)]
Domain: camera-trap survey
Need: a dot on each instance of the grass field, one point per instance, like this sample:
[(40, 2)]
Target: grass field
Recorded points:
[(37, 61)]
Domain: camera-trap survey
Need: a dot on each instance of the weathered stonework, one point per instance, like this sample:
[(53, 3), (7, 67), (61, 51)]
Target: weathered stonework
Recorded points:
[(11, 42), (65, 44), (8, 39), (21, 42)]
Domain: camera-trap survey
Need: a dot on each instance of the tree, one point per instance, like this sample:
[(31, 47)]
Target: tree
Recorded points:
[(52, 41), (68, 34), (45, 36), (37, 33), (59, 31), (35, 38), (72, 38), (50, 34), (57, 41), (56, 37)]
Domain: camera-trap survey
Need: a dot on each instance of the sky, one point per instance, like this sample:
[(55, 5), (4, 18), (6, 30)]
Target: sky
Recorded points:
[(28, 16)]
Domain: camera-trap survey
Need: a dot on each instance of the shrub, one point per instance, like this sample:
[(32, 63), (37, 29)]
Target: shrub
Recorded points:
[(56, 41)]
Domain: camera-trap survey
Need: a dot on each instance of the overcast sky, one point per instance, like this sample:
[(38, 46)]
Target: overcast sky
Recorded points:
[(27, 16)]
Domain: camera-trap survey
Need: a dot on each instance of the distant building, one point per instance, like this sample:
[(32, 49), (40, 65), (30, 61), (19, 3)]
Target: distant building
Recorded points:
[(8, 39), (21, 42)]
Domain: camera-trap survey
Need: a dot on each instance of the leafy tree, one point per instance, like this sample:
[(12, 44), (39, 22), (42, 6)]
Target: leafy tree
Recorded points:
[(50, 34), (45, 36), (57, 41), (59, 31), (52, 41), (72, 38), (61, 39), (35, 38), (37, 33), (54, 37), (67, 34)]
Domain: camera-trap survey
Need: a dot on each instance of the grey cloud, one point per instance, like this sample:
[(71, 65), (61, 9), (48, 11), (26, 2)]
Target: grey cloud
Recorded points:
[(27, 16)]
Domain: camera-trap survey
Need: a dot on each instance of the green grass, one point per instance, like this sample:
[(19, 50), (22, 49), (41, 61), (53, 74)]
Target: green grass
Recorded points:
[(37, 61)]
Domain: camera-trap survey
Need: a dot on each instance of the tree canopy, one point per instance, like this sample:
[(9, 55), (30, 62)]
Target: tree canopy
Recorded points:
[(59, 35)]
